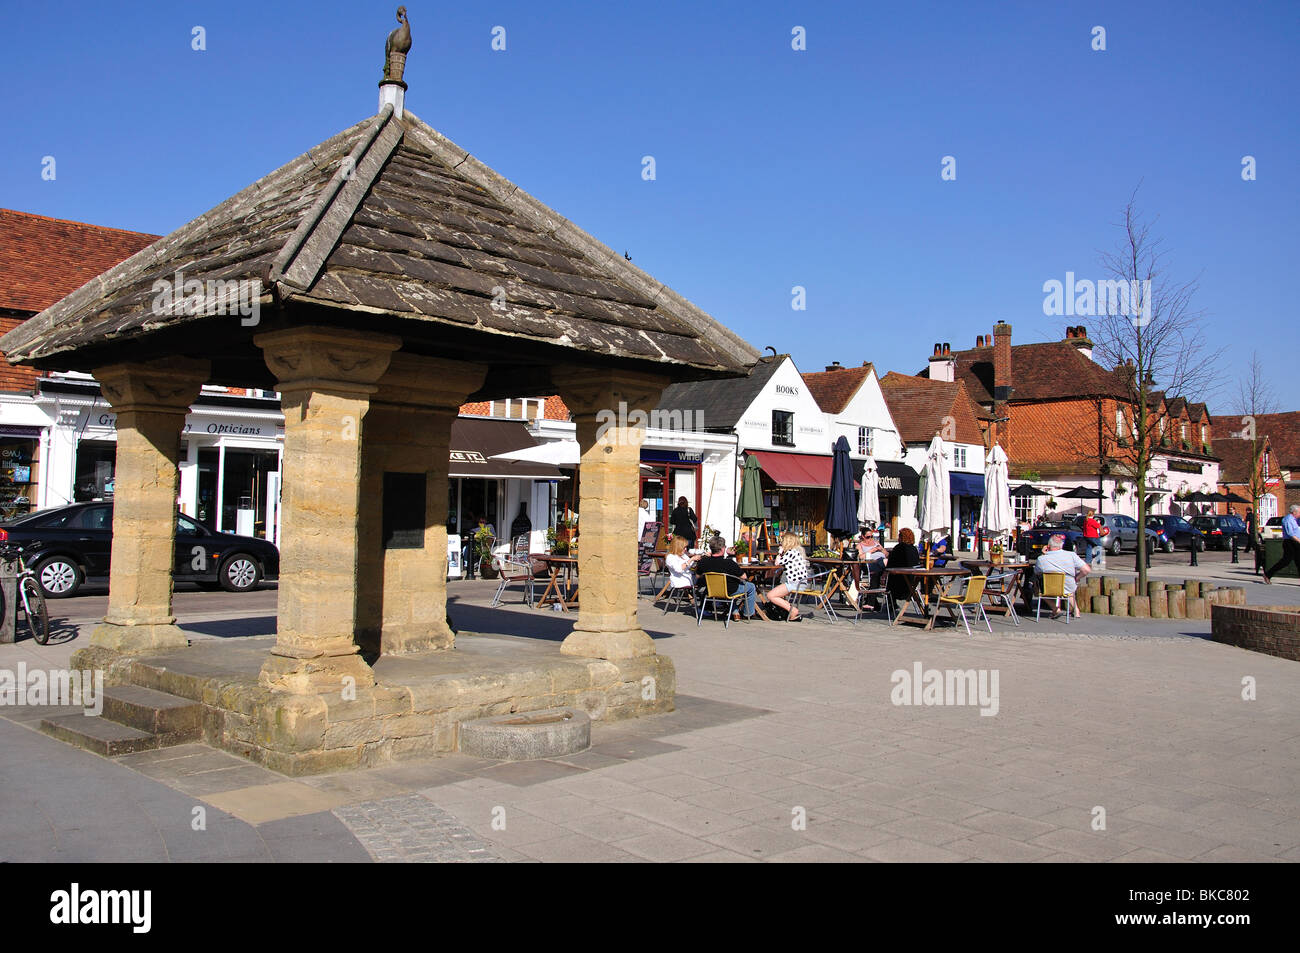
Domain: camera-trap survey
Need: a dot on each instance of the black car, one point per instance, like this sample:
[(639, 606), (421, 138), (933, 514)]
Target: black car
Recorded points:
[(1220, 530), (1180, 532), (1033, 541), (73, 543)]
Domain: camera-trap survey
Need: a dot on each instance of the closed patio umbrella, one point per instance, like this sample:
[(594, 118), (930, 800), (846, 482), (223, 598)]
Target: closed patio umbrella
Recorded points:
[(995, 515), (935, 510), (749, 509), (841, 506), (869, 499)]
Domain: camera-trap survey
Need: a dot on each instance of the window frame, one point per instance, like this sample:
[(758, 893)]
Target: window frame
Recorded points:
[(787, 433)]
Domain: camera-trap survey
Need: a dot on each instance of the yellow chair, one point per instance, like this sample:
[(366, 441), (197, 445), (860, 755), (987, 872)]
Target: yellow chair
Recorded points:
[(1053, 588), (821, 596), (972, 598), (715, 591)]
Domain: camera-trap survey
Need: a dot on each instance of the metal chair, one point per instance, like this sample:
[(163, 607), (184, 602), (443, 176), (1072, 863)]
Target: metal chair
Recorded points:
[(715, 591), (880, 589), (675, 596), (516, 567), (1053, 588), (821, 597), (995, 587), (972, 598)]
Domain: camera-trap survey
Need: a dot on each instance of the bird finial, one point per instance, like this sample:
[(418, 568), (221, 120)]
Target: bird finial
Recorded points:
[(395, 50)]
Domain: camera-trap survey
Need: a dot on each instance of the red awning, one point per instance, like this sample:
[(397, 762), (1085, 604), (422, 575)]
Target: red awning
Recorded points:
[(795, 469)]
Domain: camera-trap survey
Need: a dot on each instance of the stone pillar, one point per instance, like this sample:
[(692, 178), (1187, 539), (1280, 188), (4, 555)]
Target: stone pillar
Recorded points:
[(610, 409), (325, 377), (151, 401), (402, 593)]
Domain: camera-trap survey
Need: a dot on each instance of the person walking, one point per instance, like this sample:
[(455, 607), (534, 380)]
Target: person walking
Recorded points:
[(1290, 544), (1092, 537), (684, 522), (1250, 529)]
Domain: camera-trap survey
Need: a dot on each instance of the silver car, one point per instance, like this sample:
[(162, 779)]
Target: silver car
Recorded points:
[(1118, 532)]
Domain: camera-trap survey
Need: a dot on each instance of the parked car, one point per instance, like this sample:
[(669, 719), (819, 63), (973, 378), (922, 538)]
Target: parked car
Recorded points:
[(1033, 541), (1272, 528), (73, 543), (1219, 531), (1118, 532), (1178, 532)]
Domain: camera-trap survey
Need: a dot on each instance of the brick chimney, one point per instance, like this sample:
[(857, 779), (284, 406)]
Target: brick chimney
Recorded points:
[(834, 366), (942, 365), (1078, 336), (1001, 361)]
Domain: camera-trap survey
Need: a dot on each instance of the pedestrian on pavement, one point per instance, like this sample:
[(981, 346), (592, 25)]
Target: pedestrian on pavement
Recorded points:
[(1290, 544), (1250, 529), (1092, 537), (684, 522)]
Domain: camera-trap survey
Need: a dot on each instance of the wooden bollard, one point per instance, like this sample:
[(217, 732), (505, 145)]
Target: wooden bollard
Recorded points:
[(1196, 608), (1119, 602), (1139, 607), (1101, 604), (1192, 587), (1155, 589), (1177, 604), (1159, 605)]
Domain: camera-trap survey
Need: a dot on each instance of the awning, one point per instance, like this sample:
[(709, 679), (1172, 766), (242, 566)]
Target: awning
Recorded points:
[(966, 484), (474, 441), (795, 469), (895, 478)]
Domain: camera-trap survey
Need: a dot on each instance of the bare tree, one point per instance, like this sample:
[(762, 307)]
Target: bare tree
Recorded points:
[(1255, 397), (1147, 325)]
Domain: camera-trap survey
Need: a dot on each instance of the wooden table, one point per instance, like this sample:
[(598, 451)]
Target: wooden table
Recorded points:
[(557, 590), (919, 579)]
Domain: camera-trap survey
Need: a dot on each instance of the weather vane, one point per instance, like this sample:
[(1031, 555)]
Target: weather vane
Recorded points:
[(395, 50)]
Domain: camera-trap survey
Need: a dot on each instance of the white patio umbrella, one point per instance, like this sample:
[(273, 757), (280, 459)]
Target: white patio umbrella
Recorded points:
[(995, 515), (558, 453), (869, 499), (935, 511)]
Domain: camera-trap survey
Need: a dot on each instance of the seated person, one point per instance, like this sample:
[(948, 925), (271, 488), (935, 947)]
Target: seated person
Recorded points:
[(939, 550), (795, 571), (737, 581), (680, 566), (869, 547), (1057, 559), (904, 555)]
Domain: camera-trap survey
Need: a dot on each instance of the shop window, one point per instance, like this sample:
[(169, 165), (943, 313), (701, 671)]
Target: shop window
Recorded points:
[(1023, 508), (782, 428), (95, 463), (17, 475)]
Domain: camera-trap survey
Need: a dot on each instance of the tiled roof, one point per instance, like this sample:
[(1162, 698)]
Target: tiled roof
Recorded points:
[(390, 223), (1234, 455), (43, 259), (721, 402), (1041, 371), (1283, 432), (554, 409), (919, 406), (834, 389)]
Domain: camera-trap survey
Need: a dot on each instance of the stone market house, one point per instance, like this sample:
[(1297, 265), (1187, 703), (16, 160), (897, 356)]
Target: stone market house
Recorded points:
[(397, 277), (855, 408), (922, 408), (1066, 421)]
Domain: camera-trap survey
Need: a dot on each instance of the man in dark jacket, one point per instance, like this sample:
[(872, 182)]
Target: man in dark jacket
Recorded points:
[(737, 581)]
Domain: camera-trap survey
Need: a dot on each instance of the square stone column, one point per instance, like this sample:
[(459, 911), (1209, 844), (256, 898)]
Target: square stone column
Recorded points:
[(325, 378), (151, 401), (610, 409), (402, 596)]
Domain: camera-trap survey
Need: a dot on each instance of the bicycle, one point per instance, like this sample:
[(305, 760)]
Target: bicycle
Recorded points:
[(29, 593)]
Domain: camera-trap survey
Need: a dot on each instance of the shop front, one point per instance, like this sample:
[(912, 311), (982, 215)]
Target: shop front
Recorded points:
[(666, 477), (24, 429), (795, 492), (967, 500), (895, 480)]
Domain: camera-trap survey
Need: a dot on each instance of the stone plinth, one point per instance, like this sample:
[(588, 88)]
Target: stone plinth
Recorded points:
[(413, 710), (1273, 630)]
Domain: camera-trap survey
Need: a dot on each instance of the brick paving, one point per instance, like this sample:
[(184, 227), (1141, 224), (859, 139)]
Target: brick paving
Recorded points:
[(1114, 740)]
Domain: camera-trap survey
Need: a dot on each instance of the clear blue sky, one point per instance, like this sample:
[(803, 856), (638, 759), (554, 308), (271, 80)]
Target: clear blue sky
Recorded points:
[(775, 168)]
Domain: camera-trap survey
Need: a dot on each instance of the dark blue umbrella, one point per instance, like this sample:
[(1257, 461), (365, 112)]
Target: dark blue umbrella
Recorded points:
[(842, 506)]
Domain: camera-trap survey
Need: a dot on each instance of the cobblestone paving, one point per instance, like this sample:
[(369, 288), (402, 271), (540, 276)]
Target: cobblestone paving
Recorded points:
[(411, 829)]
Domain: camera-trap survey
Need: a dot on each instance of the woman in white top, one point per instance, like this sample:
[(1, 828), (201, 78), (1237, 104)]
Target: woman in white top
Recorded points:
[(796, 573), (679, 565)]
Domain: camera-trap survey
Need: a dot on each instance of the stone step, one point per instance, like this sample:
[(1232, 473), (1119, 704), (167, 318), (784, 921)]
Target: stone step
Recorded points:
[(93, 733), (155, 712)]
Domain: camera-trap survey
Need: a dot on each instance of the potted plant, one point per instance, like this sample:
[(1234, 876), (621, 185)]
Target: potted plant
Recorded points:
[(483, 540), (1051, 503), (741, 548)]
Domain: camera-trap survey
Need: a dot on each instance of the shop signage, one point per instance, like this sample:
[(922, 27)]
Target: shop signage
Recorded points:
[(787, 390), (672, 456), (1182, 466), (889, 483), (110, 421), (467, 456)]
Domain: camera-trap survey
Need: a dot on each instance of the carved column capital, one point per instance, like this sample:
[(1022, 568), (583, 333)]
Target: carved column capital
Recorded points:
[(327, 359)]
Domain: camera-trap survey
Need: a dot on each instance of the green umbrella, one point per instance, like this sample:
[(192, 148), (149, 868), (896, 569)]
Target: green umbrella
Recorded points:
[(750, 507)]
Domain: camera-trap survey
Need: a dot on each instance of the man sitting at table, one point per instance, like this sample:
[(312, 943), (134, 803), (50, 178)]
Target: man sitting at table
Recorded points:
[(1057, 559), (737, 581)]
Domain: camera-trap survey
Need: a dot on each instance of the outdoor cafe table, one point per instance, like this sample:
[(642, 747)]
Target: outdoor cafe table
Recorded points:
[(922, 583), (1010, 586), (561, 582), (843, 571)]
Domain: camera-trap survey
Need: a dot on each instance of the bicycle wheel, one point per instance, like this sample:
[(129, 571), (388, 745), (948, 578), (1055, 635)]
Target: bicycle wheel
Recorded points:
[(38, 619)]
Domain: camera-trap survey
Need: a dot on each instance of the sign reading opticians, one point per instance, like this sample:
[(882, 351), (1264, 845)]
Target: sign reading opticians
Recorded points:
[(241, 430)]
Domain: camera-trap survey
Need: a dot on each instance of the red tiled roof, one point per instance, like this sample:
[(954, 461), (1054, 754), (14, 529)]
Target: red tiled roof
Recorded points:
[(1282, 430), (1234, 455), (555, 409), (1047, 370), (834, 389), (43, 260), (919, 406)]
